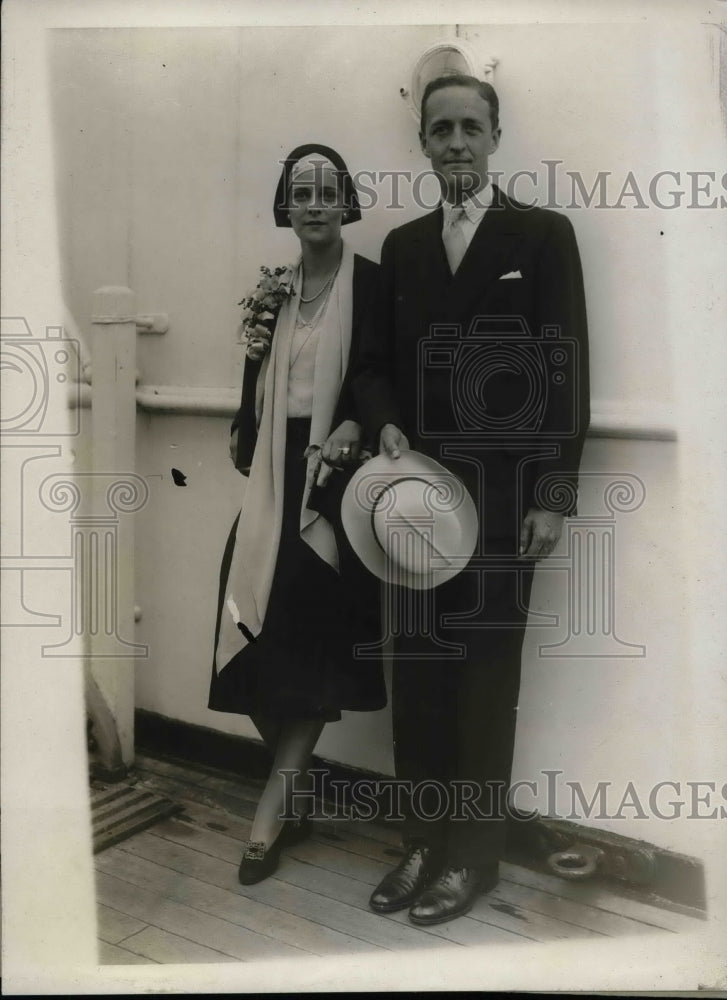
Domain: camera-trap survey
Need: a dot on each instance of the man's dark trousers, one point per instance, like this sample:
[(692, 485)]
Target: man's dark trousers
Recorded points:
[(454, 715)]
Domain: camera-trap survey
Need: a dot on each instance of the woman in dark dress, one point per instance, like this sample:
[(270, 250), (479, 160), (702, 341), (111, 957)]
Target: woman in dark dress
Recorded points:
[(294, 600)]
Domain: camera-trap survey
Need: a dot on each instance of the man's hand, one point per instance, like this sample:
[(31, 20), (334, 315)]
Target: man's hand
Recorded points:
[(392, 441), (233, 446), (341, 448), (540, 533)]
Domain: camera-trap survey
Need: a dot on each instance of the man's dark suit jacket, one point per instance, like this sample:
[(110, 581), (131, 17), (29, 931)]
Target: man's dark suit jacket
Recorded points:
[(326, 500), (516, 381)]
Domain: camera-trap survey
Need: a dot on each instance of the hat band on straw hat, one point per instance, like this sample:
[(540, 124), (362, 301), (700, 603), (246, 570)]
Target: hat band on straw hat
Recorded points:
[(415, 560)]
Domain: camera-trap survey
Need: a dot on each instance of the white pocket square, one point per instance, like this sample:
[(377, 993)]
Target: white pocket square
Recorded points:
[(510, 274)]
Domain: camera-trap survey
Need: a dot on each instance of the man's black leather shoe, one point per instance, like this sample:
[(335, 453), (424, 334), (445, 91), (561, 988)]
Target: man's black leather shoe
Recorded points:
[(400, 887), (453, 893)]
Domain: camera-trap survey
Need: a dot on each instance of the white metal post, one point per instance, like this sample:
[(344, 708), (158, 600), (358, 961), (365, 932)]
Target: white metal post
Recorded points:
[(115, 491)]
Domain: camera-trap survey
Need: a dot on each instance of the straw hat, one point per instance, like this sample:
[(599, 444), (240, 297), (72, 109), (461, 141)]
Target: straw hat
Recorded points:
[(410, 520)]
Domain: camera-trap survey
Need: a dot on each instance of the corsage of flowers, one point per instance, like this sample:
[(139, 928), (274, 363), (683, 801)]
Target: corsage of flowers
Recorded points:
[(261, 308)]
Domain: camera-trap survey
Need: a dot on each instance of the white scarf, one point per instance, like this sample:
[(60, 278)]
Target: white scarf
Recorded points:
[(257, 542)]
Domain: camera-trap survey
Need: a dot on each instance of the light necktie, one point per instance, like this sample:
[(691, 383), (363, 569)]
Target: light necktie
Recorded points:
[(453, 238)]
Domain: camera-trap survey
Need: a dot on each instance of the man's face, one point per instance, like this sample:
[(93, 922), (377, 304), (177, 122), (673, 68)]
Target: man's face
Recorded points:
[(458, 137)]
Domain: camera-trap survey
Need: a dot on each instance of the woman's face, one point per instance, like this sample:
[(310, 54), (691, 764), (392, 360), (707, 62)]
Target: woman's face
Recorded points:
[(316, 207)]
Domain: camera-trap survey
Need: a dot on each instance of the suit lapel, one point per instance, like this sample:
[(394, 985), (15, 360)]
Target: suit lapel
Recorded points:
[(490, 254), (430, 266)]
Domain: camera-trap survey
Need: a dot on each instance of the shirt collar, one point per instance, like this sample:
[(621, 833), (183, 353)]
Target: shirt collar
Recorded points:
[(474, 207)]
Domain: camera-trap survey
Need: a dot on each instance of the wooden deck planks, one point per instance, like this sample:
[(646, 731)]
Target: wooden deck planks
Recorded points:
[(345, 877), (111, 954), (333, 884), (187, 921), (540, 904), (188, 773), (234, 804), (313, 905), (231, 905), (596, 896), (171, 894), (115, 925), (169, 949), (381, 843)]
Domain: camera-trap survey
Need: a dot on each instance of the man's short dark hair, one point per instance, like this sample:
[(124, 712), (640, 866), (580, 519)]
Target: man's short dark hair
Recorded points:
[(485, 90)]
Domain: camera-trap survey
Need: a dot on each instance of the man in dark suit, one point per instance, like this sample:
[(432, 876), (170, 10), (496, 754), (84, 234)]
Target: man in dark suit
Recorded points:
[(475, 354)]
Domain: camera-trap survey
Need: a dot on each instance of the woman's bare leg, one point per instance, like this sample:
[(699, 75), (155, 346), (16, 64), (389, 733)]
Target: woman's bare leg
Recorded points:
[(296, 744), (269, 730)]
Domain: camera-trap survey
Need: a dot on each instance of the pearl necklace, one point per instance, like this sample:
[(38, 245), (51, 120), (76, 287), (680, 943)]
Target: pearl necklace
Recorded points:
[(323, 287)]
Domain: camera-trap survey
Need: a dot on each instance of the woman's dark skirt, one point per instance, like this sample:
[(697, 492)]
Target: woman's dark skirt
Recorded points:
[(303, 664)]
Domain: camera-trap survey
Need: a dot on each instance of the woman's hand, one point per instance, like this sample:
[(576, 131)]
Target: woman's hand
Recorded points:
[(341, 448), (233, 447)]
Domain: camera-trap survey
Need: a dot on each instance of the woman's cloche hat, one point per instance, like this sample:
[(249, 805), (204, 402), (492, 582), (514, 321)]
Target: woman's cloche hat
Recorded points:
[(314, 151), (410, 520)]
